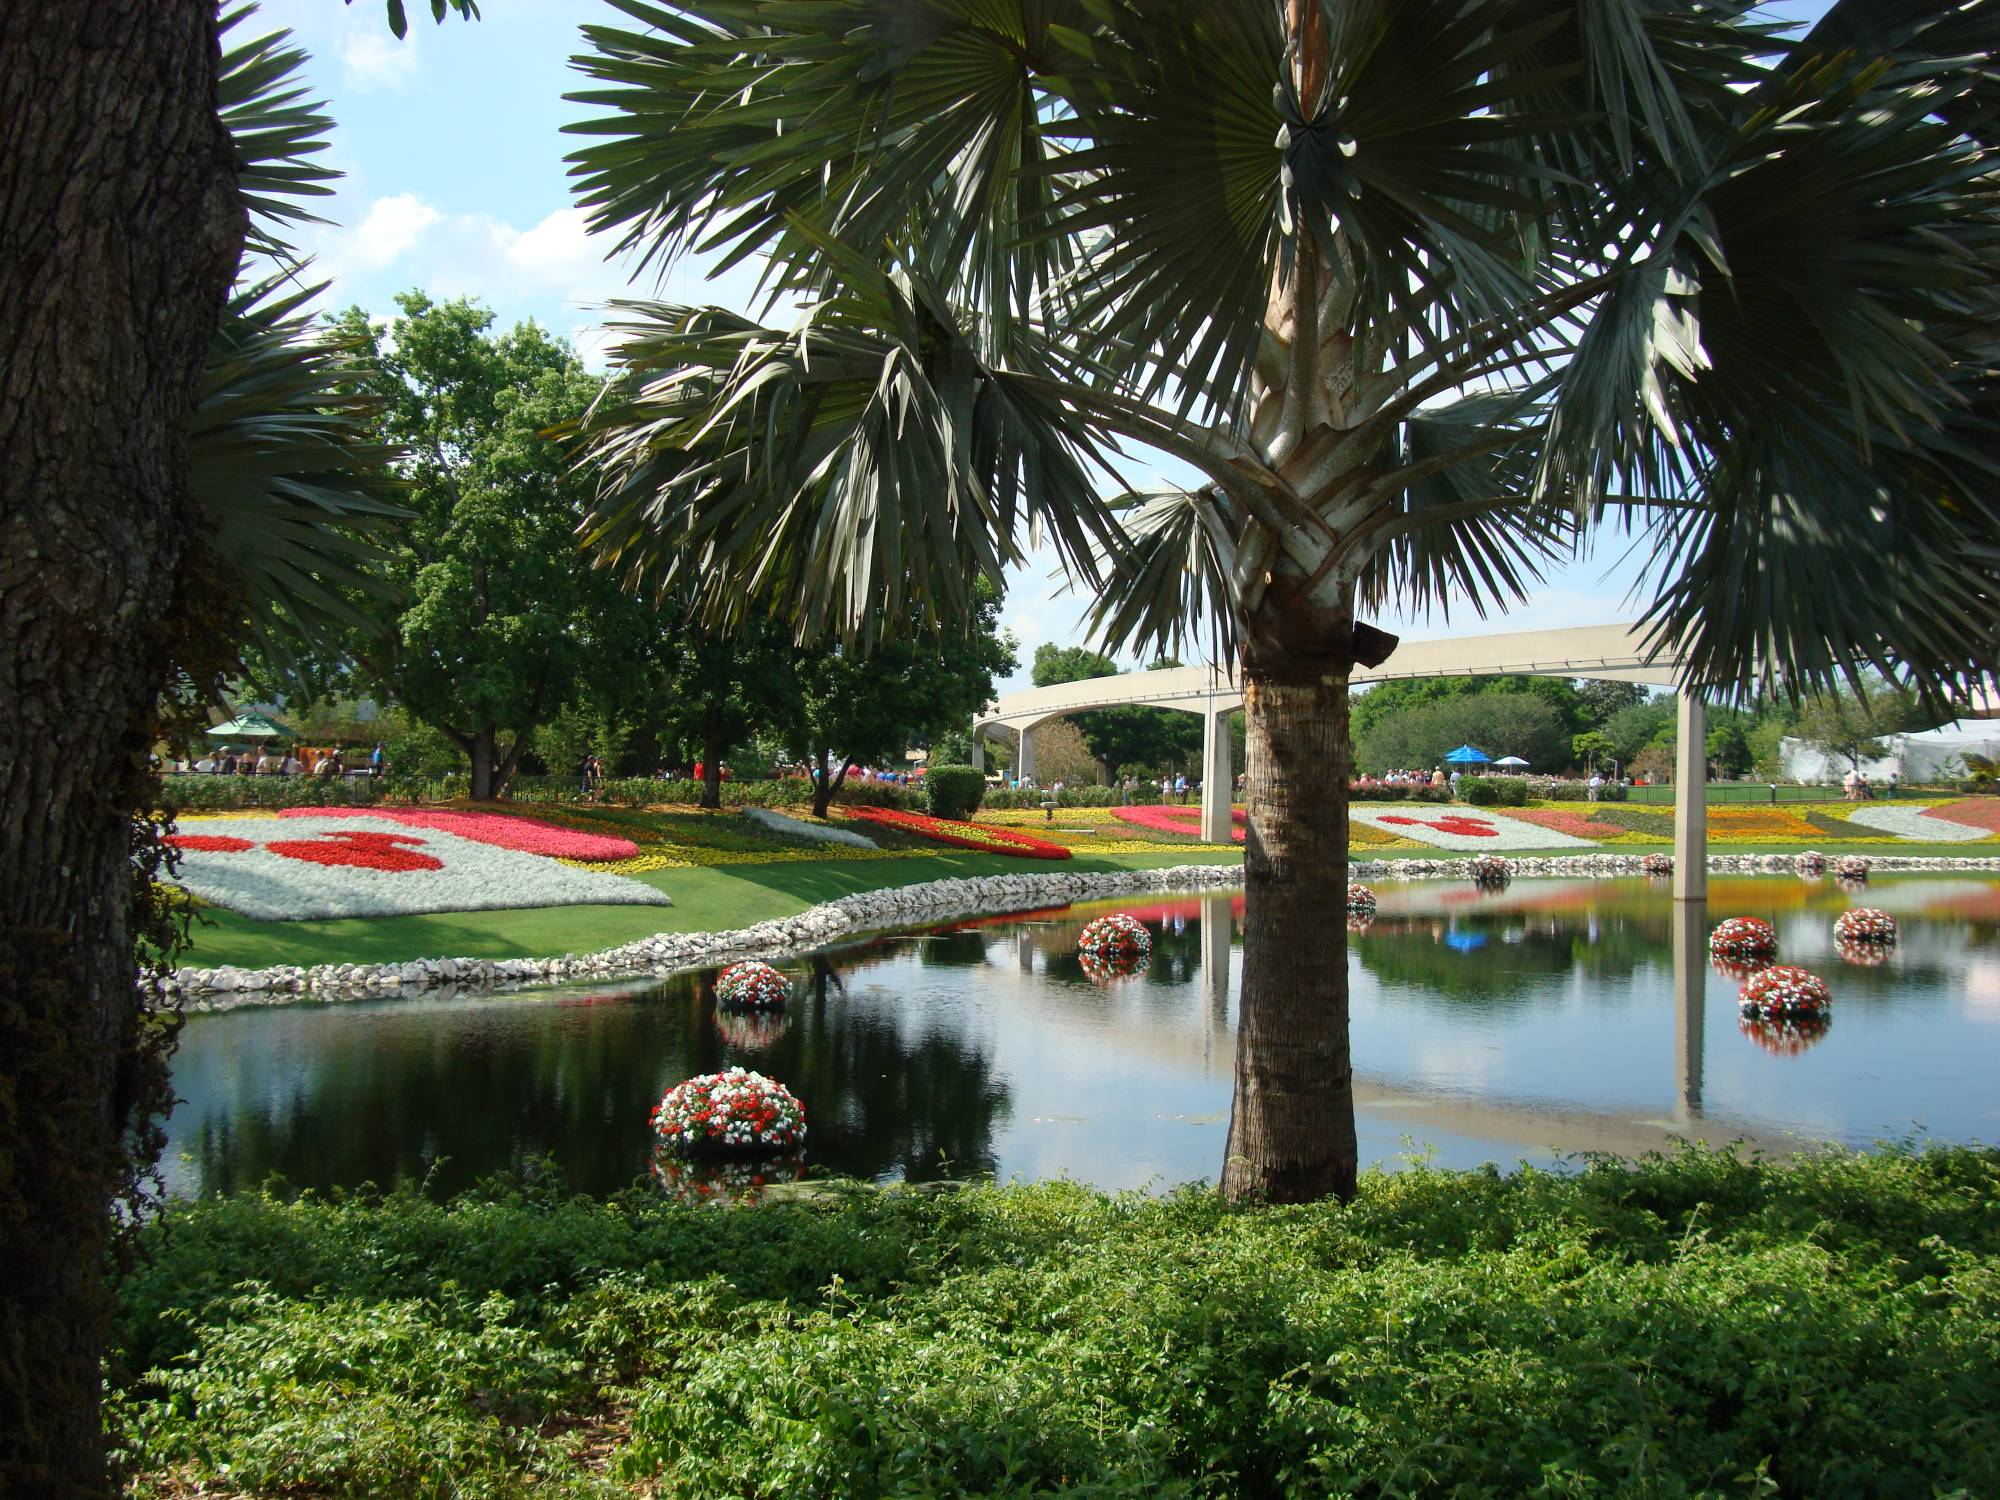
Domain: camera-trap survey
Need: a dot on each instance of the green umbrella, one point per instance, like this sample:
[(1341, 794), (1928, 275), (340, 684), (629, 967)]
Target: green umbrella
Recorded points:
[(251, 726)]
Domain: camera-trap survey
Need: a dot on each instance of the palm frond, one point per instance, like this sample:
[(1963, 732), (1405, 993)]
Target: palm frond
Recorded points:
[(277, 131)]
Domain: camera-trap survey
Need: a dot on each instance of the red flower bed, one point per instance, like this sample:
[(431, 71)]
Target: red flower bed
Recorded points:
[(500, 830), (985, 837), (1182, 821), (209, 842), (1562, 820), (359, 850), (1983, 812)]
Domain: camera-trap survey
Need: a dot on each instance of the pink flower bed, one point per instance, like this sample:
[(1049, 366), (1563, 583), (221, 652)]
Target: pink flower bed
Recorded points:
[(499, 830), (1575, 824), (1983, 813), (1184, 821)]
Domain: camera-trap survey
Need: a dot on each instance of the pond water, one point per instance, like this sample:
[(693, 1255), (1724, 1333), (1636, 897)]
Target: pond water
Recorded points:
[(1551, 1017)]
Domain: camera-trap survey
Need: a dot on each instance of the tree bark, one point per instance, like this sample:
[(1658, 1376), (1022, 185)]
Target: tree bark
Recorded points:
[(711, 751), (480, 748), (120, 229), (1291, 1126)]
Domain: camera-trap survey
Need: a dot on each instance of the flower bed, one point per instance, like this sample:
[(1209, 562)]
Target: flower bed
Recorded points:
[(984, 837), (799, 828), (1360, 898), (332, 864), (1982, 813), (1183, 821), (501, 830), (1454, 829), (1918, 825), (752, 985), (1572, 821), (1864, 924), (1743, 937), (1782, 991), (734, 1112), (1490, 870), (1115, 938)]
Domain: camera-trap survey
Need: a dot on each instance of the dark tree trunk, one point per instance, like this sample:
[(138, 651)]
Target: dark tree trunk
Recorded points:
[(711, 751), (829, 783), (485, 785), (120, 229), (1291, 1127)]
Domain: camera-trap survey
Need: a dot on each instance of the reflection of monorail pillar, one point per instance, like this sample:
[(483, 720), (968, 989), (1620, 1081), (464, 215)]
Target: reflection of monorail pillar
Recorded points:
[(1217, 932), (1691, 800), (1690, 1001), (1024, 949), (1218, 776)]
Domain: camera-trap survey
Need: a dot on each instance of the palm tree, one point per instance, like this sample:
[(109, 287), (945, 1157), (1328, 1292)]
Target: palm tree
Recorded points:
[(1423, 290)]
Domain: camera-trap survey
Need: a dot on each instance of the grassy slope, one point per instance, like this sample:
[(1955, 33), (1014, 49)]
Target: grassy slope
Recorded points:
[(714, 899)]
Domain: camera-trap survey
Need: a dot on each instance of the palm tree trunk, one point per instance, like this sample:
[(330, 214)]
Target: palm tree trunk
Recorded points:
[(119, 231), (1291, 1127)]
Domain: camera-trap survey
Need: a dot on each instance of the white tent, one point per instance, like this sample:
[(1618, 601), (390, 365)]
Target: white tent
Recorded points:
[(1932, 755)]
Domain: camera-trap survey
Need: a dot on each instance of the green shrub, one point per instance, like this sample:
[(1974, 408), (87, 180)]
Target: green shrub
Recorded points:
[(1694, 1323), (1511, 790), (954, 791), (1404, 794), (1478, 791), (227, 793)]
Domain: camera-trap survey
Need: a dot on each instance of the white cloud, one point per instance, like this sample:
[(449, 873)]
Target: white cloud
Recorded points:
[(372, 58), (559, 243), (391, 230)]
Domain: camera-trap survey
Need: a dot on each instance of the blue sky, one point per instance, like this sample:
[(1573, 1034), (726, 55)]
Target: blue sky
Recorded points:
[(451, 146)]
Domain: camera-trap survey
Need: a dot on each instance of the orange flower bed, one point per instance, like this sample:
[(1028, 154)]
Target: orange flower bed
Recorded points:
[(1759, 823)]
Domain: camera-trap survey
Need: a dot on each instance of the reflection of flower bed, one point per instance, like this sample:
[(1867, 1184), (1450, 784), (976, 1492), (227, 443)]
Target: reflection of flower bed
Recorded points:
[(1360, 898), (1739, 969), (985, 837), (1743, 937), (731, 1112), (1782, 990), (1184, 821), (1658, 864), (1785, 1036), (727, 1182), (1115, 936), (1490, 870), (749, 1030), (1864, 924), (1864, 955), (751, 985)]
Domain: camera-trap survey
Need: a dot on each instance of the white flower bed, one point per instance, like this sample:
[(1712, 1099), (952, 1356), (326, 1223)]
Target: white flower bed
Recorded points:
[(1475, 830), (798, 828), (297, 868), (1915, 824)]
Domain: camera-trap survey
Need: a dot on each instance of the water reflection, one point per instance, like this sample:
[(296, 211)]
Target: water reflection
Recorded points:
[(1551, 1016)]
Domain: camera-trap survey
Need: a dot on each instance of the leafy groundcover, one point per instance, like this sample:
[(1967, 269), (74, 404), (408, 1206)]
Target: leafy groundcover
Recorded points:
[(1700, 1323)]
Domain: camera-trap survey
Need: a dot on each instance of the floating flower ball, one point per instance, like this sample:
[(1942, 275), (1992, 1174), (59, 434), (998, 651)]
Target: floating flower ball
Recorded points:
[(1360, 921), (1782, 990), (1743, 937), (1115, 937), (1490, 870), (1864, 955), (1360, 898), (1810, 863), (728, 1183), (1657, 864), (732, 1112), (748, 1030), (1853, 867), (1864, 924), (1786, 1036), (752, 986)]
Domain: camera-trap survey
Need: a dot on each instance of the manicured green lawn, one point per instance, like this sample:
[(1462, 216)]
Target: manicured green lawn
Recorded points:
[(713, 899)]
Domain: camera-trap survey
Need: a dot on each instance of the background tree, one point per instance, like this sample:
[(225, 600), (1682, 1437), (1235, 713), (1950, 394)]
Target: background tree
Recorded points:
[(1062, 754), (710, 692), (136, 160), (869, 708), (490, 616), (1632, 729), (1420, 289), (1590, 746), (1501, 724), (1599, 698), (1853, 723), (1131, 736)]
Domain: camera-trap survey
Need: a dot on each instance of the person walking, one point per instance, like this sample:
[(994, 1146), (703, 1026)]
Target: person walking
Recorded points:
[(377, 762), (1596, 785)]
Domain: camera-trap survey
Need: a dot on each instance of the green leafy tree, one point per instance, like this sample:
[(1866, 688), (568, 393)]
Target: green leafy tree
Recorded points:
[(489, 615), (1501, 724), (1128, 737), (1420, 289), (1590, 747), (1402, 693), (862, 708), (1632, 729), (714, 691), (1853, 722), (1598, 698)]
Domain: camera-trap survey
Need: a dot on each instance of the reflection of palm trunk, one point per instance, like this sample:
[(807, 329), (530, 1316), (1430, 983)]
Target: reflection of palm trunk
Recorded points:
[(1690, 996), (1216, 932)]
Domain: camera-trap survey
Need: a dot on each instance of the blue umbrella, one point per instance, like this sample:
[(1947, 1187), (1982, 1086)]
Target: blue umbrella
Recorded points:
[(1466, 755)]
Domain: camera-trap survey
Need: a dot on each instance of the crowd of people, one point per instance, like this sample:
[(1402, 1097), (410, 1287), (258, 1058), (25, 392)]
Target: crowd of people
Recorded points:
[(274, 760)]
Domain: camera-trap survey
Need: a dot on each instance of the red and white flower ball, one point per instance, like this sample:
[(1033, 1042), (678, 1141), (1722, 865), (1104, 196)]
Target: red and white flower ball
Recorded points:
[(1782, 990), (751, 985), (1864, 924), (1743, 937), (735, 1111), (727, 1182), (1360, 899), (1810, 863), (1852, 867), (1490, 870), (1657, 864), (1115, 938)]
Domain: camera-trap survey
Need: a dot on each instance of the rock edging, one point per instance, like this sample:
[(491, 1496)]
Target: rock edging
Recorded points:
[(227, 987)]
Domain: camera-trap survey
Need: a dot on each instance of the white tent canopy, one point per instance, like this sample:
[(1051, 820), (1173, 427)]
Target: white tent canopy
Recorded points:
[(1932, 755)]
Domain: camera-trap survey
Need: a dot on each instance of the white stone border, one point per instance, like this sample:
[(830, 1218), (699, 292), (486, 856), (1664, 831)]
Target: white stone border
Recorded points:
[(227, 988)]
